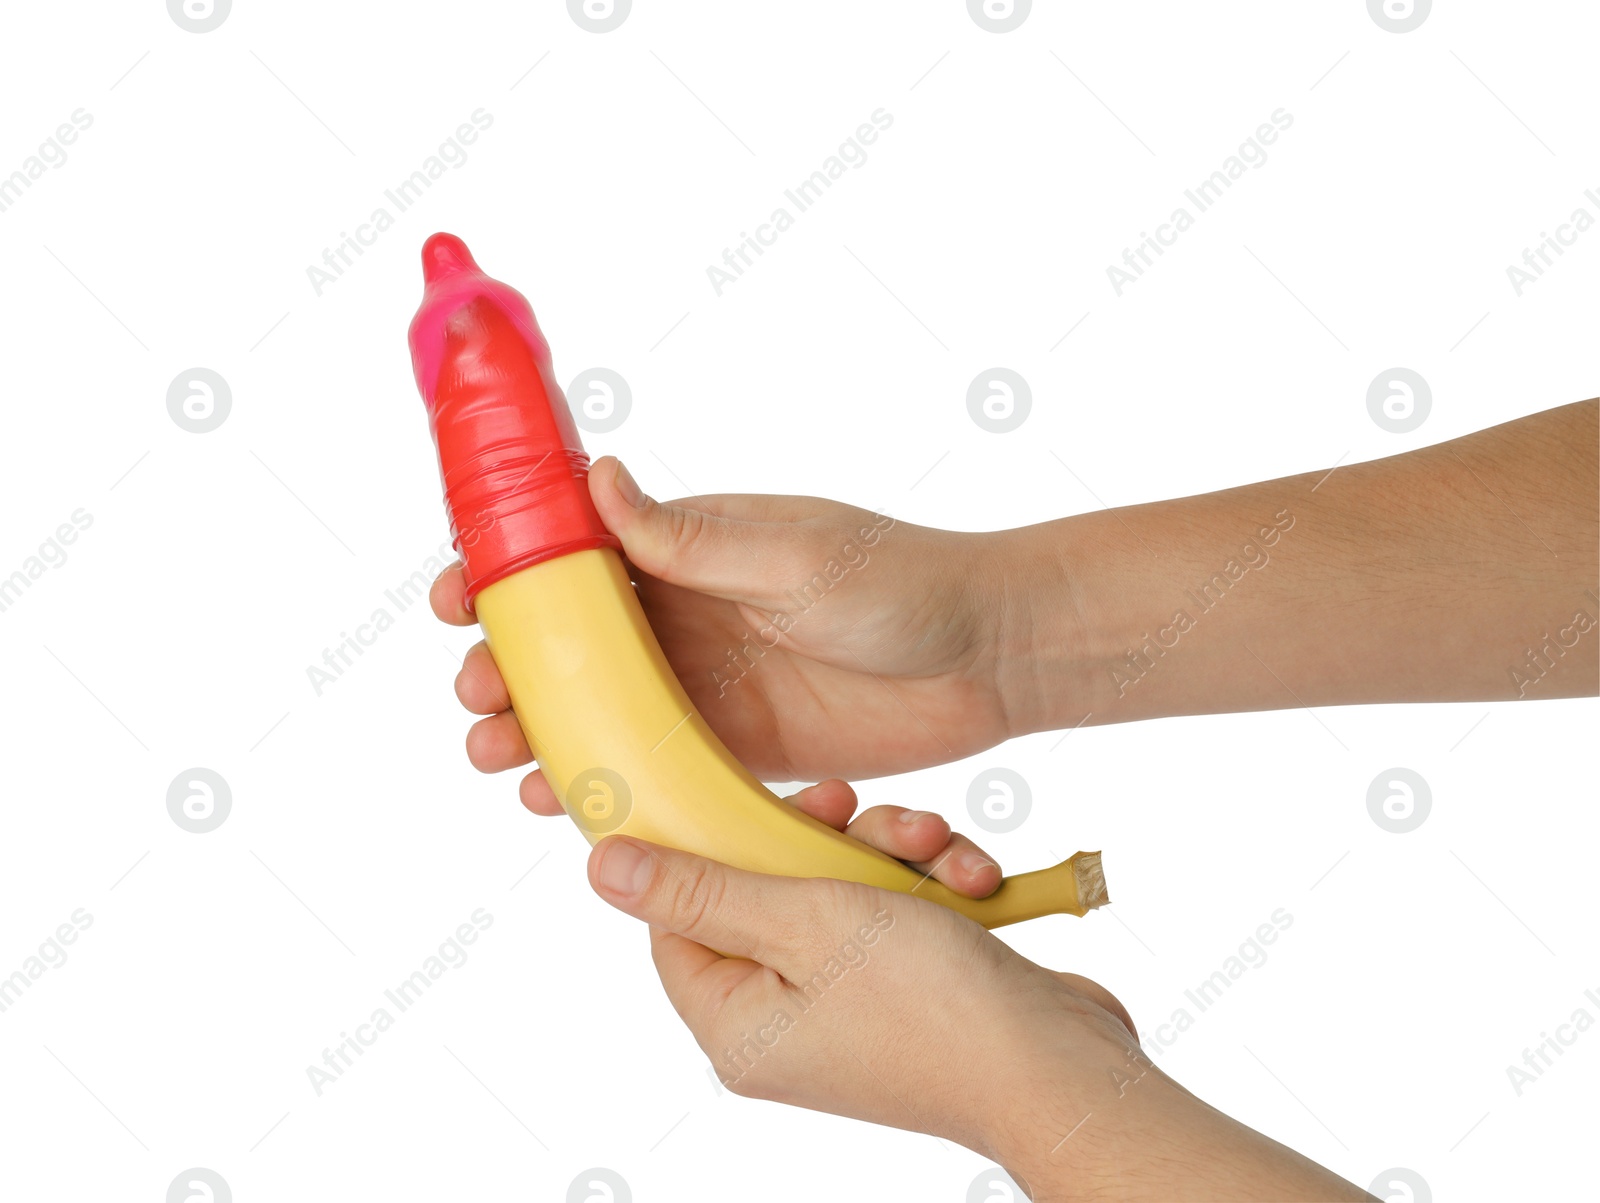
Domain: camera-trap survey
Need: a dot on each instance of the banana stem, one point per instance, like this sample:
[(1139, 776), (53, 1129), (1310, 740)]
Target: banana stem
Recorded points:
[(1074, 887)]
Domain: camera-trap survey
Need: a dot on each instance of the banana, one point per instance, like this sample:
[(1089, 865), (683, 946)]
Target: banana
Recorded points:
[(615, 734)]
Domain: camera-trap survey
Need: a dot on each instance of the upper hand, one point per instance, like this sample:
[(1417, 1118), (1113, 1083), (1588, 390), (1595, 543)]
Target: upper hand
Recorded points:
[(817, 639)]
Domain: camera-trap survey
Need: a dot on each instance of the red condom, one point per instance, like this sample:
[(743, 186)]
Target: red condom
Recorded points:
[(514, 470)]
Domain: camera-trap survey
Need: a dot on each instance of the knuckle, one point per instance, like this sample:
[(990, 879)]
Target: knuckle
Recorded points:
[(699, 897), (685, 528)]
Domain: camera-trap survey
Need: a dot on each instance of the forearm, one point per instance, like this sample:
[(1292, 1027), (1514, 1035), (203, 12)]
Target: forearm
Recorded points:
[(1463, 571), (1147, 1138)]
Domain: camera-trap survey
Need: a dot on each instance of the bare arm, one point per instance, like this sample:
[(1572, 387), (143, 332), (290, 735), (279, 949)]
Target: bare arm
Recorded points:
[(1463, 571)]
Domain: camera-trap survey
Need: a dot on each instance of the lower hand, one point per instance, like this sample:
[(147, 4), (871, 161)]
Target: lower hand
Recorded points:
[(888, 1008)]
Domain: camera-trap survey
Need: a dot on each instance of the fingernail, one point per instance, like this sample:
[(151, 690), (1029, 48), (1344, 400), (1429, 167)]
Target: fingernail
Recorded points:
[(629, 488), (915, 816), (976, 862), (624, 868)]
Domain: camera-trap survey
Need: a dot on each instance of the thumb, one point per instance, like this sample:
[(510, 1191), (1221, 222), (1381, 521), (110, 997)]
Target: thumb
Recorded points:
[(739, 914), (679, 544)]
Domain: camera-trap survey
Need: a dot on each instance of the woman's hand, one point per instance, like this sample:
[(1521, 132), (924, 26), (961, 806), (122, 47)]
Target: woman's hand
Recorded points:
[(888, 1008), (817, 639)]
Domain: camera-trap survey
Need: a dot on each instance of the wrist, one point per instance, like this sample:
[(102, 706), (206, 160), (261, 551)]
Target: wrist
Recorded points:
[(1042, 594), (1079, 1129), (1128, 1132)]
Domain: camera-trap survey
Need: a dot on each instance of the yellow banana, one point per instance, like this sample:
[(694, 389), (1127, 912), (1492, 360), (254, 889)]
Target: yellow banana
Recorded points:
[(614, 732)]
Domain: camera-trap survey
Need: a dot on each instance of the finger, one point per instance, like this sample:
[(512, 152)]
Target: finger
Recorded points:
[(778, 921), (964, 867), (755, 507), (908, 835), (479, 685), (831, 802), (497, 743), (537, 795), (704, 987), (448, 597), (689, 547)]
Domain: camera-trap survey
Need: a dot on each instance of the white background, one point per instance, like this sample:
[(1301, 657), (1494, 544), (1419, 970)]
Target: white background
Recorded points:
[(219, 566)]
